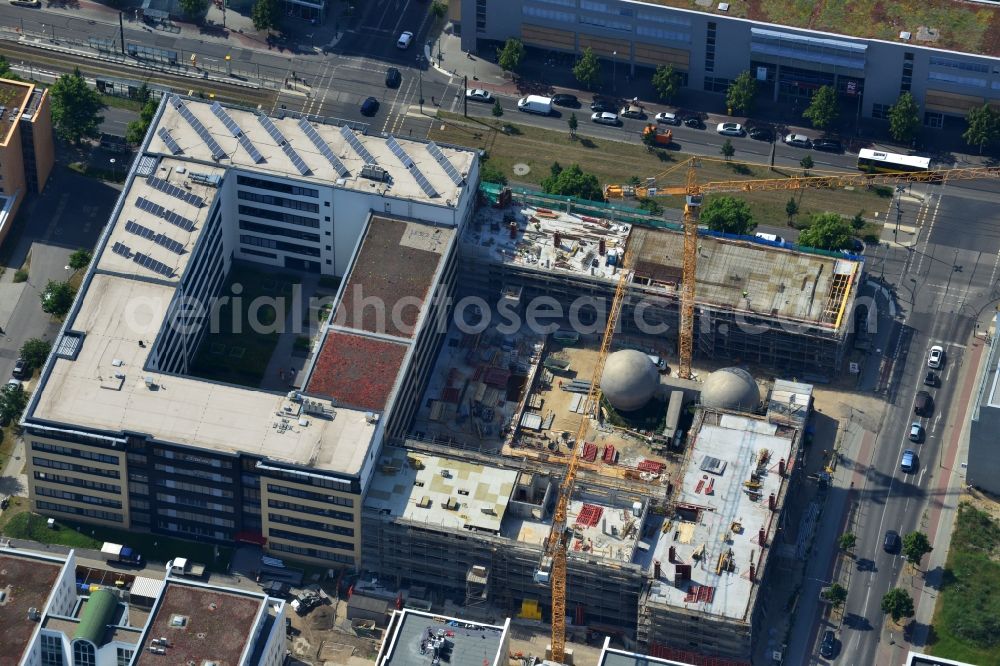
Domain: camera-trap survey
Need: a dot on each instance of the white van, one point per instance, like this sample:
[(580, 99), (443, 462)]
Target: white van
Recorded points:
[(404, 40), (774, 238), (535, 104)]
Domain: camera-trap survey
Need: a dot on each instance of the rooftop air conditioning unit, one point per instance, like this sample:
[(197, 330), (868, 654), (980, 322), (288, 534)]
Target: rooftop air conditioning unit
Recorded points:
[(33, 614), (374, 172)]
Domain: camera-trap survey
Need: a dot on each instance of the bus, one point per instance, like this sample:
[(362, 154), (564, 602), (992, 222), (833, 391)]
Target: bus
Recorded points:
[(877, 161)]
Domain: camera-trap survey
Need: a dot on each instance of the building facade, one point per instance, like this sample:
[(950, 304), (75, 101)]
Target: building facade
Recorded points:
[(983, 470), (27, 152)]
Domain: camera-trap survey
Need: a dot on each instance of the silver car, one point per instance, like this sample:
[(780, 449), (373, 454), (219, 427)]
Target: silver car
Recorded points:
[(798, 140), (605, 118)]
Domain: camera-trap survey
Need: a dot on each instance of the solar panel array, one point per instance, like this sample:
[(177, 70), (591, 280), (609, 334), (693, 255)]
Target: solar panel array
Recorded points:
[(174, 191), (323, 147), (280, 139), (169, 140), (139, 230), (156, 209), (121, 249), (235, 130), (445, 163), (414, 170), (356, 144), (160, 239), (213, 145), (147, 261)]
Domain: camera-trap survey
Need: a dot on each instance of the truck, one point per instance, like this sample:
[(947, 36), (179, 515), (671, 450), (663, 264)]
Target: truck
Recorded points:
[(535, 104), (122, 555), (659, 138), (181, 566)]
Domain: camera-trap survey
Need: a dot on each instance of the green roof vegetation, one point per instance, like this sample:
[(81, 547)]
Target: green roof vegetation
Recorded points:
[(96, 616)]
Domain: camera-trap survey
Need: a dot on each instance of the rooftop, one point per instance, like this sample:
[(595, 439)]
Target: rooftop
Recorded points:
[(27, 581), (356, 371), (614, 657), (989, 390), (14, 97), (396, 265), (469, 643), (789, 402), (217, 626), (749, 277), (722, 504), (917, 659), (320, 153)]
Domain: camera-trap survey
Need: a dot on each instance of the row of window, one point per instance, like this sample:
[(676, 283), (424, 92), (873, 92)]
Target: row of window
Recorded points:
[(314, 480), (75, 453), (602, 7), (79, 483), (548, 14), (311, 552), (281, 202), (170, 454), (173, 484), (307, 538), (90, 513), (965, 65), (196, 530), (278, 216), (647, 17), (315, 511), (69, 467), (305, 494), (197, 473), (710, 49), (275, 186), (716, 84), (76, 497), (973, 81), (258, 253), (197, 517), (609, 24), (194, 502), (310, 524), (660, 33), (256, 227), (278, 245)]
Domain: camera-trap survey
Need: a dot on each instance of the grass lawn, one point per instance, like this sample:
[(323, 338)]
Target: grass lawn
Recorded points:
[(966, 625), (236, 353), (157, 547), (538, 148)]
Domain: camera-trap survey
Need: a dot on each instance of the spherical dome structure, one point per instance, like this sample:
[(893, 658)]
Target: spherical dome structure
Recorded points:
[(731, 388), (630, 379)]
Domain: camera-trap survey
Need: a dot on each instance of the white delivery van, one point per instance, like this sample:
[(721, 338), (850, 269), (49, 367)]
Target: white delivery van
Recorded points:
[(535, 104), (774, 238)]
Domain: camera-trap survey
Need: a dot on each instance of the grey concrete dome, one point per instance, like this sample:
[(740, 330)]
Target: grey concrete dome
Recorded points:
[(630, 379), (731, 388)]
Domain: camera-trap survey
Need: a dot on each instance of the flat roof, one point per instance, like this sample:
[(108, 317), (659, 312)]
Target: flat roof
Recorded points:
[(218, 625), (917, 659), (726, 457), (471, 643), (272, 158), (614, 657), (29, 582), (396, 265), (14, 97), (115, 315), (356, 371), (750, 277), (789, 402), (990, 389)]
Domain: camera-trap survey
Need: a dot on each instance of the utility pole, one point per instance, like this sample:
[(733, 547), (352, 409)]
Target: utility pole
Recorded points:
[(465, 96), (420, 83), (121, 30)]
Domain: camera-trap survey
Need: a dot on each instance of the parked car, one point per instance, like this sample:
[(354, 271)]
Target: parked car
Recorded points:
[(891, 542), (931, 378), (916, 432), (694, 122), (605, 118), (479, 95), (14, 383), (923, 404), (667, 118), (798, 140), (730, 129), (761, 134), (828, 646), (564, 99), (604, 105), (908, 463), (935, 357), (393, 78), (369, 107), (404, 40), (774, 238), (828, 145), (21, 369), (633, 111)]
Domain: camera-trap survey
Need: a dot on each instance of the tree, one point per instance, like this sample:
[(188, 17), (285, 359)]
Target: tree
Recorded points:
[(510, 56), (573, 124), (904, 118), (727, 149), (806, 163), (75, 108), (265, 14), (57, 298), (791, 209), (438, 9), (587, 69), (729, 215), (194, 8), (649, 139), (898, 604), (826, 231), (5, 71), (822, 110), (848, 540), (742, 93), (667, 82), (836, 594), (497, 108), (80, 259), (858, 221), (651, 206), (143, 94), (984, 127), (35, 351), (136, 130), (574, 182), (13, 400), (489, 173), (915, 546)]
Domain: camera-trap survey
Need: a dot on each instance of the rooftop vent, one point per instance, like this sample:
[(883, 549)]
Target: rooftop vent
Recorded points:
[(178, 621), (33, 614), (374, 172), (713, 465)]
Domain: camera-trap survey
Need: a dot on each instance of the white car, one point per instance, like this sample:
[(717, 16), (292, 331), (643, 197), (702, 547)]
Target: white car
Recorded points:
[(800, 140), (605, 118), (479, 95), (404, 40), (730, 129), (667, 118), (935, 357)]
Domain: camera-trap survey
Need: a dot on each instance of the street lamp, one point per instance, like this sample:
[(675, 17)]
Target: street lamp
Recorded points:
[(114, 170), (229, 65), (614, 71)]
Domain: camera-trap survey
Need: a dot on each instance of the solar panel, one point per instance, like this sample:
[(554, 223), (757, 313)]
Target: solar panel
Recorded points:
[(121, 249), (169, 140), (169, 243), (139, 230), (356, 144), (179, 221), (235, 130), (170, 216), (213, 145), (147, 261), (323, 147), (174, 191), (144, 204), (445, 163), (414, 170)]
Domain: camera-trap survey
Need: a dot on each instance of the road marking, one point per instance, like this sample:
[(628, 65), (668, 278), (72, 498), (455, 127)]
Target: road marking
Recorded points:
[(930, 228), (922, 472)]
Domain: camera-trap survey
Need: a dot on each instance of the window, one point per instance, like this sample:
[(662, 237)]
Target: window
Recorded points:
[(272, 200), (312, 552), (305, 494), (52, 650), (934, 120), (278, 216), (76, 453), (310, 524), (660, 33), (881, 111), (302, 508), (76, 497), (81, 469), (710, 50), (274, 186), (194, 488), (549, 14), (660, 17), (716, 84), (307, 538), (84, 653), (49, 477), (91, 513), (605, 23), (125, 656), (246, 225), (963, 65), (259, 253), (970, 81), (481, 15), (197, 473)]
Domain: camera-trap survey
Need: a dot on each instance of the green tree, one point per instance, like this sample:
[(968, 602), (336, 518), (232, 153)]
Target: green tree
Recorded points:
[(836, 594), (75, 108), (13, 400), (915, 546), (904, 118), (574, 182), (984, 127), (80, 259), (57, 298), (136, 130), (587, 69), (573, 124), (806, 163), (742, 93), (194, 8), (497, 108), (791, 209), (489, 173), (727, 149), (651, 206), (826, 231), (143, 94), (822, 110), (438, 9), (5, 71), (898, 604), (848, 540), (667, 82), (729, 215), (35, 351), (266, 15), (858, 221), (511, 55)]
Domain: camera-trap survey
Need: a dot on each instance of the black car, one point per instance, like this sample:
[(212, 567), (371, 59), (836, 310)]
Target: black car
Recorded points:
[(21, 369), (563, 99), (761, 134), (931, 378), (602, 105), (828, 145), (828, 647), (369, 107), (923, 405), (393, 78), (891, 543), (695, 122)]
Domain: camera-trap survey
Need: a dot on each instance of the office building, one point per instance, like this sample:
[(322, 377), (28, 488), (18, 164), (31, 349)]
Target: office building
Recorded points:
[(27, 152), (414, 638), (983, 466)]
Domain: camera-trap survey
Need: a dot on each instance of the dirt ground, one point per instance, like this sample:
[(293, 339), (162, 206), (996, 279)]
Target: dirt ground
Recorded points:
[(527, 641), (983, 501), (327, 638)]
